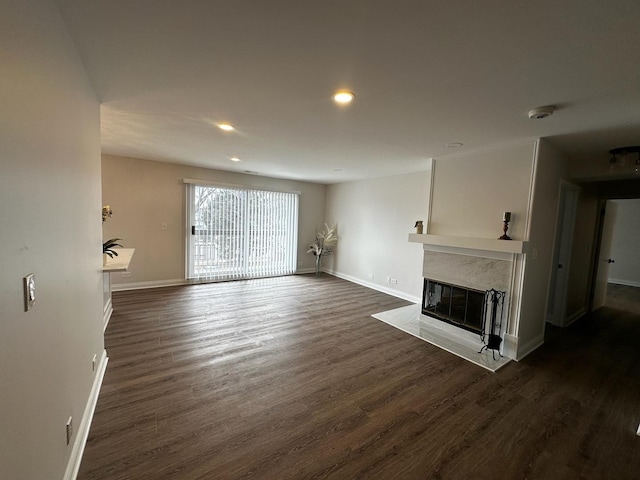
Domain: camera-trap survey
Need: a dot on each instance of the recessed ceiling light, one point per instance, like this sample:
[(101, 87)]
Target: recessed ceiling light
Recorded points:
[(338, 170), (227, 127), (234, 159), (343, 97), (454, 145)]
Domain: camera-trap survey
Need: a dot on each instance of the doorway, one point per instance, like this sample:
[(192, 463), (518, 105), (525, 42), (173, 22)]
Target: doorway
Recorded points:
[(617, 259)]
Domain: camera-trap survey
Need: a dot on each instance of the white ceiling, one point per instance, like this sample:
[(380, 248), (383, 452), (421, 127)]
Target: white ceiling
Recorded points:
[(425, 73)]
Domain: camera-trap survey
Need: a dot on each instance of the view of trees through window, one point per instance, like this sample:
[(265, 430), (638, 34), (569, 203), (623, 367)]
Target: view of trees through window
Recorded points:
[(240, 233)]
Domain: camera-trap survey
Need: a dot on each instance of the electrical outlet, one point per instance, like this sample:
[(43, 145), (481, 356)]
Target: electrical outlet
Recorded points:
[(371, 276), (69, 429), (388, 279), (93, 362), (394, 281)]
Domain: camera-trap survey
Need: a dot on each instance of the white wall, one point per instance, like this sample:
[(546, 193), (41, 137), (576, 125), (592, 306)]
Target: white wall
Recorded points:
[(550, 169), (471, 191), (625, 245), (50, 226), (145, 194), (374, 219)]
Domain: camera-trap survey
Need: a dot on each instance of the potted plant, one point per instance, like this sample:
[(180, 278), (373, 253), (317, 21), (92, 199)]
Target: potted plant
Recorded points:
[(107, 249), (324, 243)]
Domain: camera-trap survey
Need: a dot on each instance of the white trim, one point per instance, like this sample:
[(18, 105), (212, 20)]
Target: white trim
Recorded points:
[(574, 316), (304, 271), (529, 347), (108, 310), (532, 185), (373, 286), (509, 346), (472, 247), (73, 465), (193, 181), (638, 432), (515, 297), (627, 283), (432, 181), (176, 282), (118, 287)]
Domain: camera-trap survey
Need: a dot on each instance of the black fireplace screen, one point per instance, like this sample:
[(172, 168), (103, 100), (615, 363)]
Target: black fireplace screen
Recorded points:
[(459, 306)]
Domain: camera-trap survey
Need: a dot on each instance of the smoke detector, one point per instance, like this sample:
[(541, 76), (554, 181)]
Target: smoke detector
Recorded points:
[(541, 112)]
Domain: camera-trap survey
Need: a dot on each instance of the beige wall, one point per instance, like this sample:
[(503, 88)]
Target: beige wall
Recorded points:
[(374, 219), (49, 226), (145, 194), (471, 192)]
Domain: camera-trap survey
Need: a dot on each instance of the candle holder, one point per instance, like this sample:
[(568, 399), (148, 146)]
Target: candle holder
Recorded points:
[(506, 218)]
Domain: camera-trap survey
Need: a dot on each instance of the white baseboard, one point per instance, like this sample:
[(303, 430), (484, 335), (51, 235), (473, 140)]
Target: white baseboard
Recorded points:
[(574, 316), (304, 271), (83, 430), (374, 286), (526, 348), (118, 287), (628, 283)]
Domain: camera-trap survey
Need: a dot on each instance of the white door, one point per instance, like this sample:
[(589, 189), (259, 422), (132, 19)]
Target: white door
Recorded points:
[(604, 256), (567, 206)]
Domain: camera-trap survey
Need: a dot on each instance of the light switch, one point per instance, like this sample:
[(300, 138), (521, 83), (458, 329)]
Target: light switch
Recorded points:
[(29, 292)]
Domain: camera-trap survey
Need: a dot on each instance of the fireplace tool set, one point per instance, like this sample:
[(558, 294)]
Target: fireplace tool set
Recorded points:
[(492, 314)]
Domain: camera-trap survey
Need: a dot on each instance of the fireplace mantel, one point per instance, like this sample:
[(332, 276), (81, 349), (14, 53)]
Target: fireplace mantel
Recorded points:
[(488, 244)]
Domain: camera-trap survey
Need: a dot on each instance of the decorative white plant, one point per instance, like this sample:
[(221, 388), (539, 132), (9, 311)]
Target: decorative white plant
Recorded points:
[(325, 241)]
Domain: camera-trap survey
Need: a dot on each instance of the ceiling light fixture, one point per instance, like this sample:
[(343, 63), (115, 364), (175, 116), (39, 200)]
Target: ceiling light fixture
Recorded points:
[(343, 97), (227, 127), (621, 154), (234, 159), (454, 145)]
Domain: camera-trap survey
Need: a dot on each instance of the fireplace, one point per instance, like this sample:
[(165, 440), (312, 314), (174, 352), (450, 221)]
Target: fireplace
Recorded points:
[(474, 285), (459, 306)]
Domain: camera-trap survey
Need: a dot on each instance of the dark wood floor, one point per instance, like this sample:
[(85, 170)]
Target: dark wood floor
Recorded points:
[(291, 378)]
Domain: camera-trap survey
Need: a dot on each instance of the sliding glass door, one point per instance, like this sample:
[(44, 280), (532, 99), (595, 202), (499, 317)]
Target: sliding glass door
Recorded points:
[(240, 233)]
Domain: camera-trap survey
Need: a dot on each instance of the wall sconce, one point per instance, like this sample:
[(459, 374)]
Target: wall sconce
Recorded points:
[(506, 218)]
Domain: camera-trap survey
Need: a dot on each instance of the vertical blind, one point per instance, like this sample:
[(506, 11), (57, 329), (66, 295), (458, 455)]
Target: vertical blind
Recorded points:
[(239, 233)]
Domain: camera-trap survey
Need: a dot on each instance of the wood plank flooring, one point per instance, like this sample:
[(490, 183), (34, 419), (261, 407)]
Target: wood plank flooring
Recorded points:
[(290, 378)]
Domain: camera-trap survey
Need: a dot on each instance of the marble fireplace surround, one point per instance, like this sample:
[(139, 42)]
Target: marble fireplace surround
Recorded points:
[(479, 264)]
